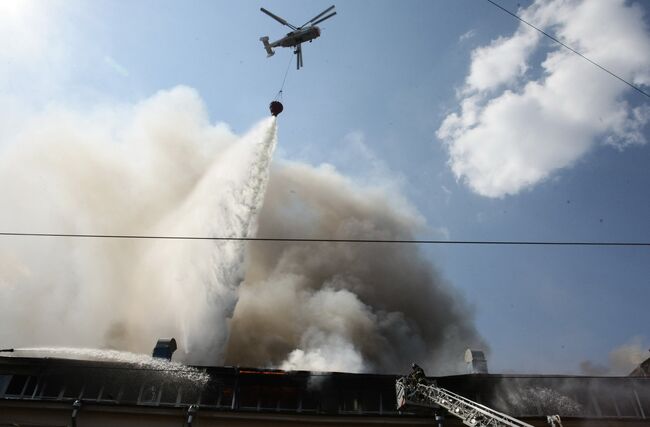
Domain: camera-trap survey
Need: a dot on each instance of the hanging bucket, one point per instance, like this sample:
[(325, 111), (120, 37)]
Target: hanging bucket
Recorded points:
[(276, 107)]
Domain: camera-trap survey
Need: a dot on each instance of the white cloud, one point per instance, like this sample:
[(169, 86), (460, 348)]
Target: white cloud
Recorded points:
[(502, 60), (513, 131)]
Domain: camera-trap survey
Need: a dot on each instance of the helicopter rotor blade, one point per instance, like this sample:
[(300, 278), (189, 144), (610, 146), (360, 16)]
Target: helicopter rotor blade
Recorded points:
[(277, 18), (318, 16), (322, 19)]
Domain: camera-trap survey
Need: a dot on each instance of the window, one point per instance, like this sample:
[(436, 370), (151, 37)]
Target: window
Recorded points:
[(190, 395), (16, 385), (626, 403), (110, 391), (606, 405), (349, 401), (52, 387), (73, 386), (169, 394), (370, 400), (4, 382), (150, 394)]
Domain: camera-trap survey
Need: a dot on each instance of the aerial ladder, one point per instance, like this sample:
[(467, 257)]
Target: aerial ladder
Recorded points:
[(416, 390)]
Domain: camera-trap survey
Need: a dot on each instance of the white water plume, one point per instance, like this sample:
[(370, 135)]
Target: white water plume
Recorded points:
[(224, 203), (168, 368)]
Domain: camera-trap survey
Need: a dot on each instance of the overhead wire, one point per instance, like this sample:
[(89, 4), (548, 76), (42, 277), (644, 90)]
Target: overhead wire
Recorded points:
[(332, 240), (638, 89), (374, 241)]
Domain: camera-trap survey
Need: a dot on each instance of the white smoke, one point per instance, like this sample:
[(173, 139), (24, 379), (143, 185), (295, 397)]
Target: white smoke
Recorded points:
[(324, 353), (621, 360), (159, 168)]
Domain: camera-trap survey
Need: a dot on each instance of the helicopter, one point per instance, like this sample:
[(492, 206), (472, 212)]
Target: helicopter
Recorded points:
[(305, 33)]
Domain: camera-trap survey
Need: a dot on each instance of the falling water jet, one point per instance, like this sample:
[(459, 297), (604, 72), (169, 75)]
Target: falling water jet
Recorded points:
[(226, 203)]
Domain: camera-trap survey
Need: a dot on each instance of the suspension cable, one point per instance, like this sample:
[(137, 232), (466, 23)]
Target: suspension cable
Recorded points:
[(284, 79)]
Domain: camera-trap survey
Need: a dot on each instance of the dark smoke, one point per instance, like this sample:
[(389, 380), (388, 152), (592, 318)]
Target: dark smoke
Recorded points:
[(336, 306)]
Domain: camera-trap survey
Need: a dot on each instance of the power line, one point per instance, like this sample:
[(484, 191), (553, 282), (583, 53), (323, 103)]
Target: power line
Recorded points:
[(324, 240), (638, 89)]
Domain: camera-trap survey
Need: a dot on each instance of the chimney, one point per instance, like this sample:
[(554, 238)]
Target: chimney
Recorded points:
[(164, 349), (476, 362)]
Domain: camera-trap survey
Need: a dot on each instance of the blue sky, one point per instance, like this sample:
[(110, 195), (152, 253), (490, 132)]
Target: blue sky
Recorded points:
[(372, 99)]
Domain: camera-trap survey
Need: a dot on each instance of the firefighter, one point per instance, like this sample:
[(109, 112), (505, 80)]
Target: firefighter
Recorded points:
[(417, 374)]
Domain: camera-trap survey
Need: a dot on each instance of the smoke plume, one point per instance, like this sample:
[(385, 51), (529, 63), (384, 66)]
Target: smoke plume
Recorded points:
[(337, 306), (158, 168), (161, 168)]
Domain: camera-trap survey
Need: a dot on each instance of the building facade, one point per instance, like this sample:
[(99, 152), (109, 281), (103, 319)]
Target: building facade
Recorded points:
[(63, 392)]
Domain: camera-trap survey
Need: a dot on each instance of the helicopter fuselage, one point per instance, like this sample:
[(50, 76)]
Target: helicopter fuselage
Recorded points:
[(294, 38), (305, 33)]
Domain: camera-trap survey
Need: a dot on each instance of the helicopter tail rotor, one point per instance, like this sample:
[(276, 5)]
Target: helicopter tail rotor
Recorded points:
[(267, 46)]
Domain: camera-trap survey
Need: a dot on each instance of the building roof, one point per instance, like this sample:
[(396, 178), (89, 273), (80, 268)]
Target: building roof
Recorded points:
[(238, 389)]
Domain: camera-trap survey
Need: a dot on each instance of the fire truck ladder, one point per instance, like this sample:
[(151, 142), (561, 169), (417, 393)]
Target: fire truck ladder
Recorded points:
[(429, 395)]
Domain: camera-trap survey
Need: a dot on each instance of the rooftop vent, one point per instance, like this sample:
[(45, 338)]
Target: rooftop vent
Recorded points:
[(164, 349), (476, 362)]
